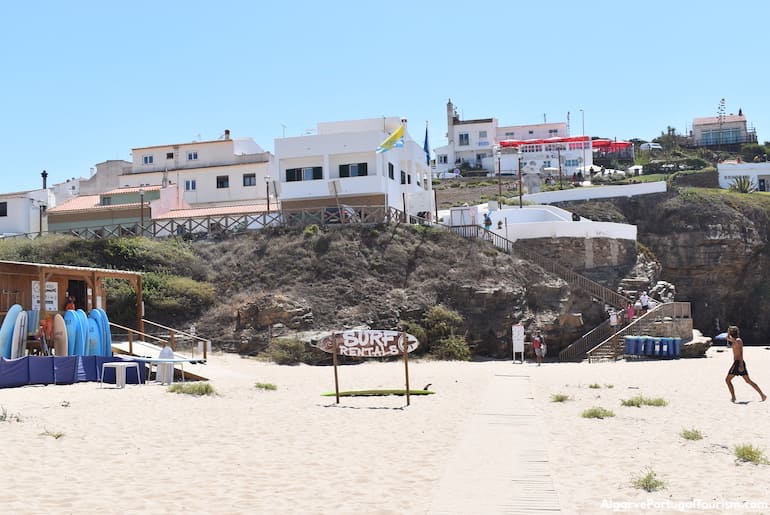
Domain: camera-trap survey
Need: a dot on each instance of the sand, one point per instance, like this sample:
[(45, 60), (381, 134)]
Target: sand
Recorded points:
[(143, 449)]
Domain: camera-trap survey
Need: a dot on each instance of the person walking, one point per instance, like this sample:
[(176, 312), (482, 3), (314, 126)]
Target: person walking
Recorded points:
[(630, 313), (738, 367), (487, 225)]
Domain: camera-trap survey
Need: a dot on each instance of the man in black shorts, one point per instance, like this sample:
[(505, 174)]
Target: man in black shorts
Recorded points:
[(739, 366)]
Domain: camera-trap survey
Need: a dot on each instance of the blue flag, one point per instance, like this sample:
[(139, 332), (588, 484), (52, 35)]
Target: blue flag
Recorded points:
[(425, 147)]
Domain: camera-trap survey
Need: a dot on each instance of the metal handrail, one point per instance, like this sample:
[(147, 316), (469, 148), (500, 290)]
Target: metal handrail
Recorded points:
[(639, 325)]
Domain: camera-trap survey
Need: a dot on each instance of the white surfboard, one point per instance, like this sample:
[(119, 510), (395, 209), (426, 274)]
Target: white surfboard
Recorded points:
[(19, 345)]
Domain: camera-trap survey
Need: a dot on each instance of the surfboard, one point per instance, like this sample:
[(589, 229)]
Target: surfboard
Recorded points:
[(80, 347), (33, 322), (73, 328), (6, 330), (60, 335), (94, 341), (19, 346), (106, 333)]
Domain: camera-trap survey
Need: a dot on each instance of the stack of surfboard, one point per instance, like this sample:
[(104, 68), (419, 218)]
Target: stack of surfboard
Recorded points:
[(74, 334)]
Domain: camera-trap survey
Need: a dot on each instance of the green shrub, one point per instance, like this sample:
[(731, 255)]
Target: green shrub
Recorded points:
[(559, 397), (311, 230), (8, 417), (691, 434), (639, 401), (265, 386), (749, 453), (287, 351), (595, 385), (649, 482), (197, 388), (596, 412), (53, 434), (451, 348)]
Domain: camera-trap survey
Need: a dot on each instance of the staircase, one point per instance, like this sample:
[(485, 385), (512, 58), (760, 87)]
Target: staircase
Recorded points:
[(611, 348), (573, 278)]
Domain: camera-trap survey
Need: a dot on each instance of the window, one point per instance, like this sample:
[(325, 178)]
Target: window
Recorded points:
[(249, 179), (553, 131), (464, 140), (409, 179), (192, 156), (189, 185), (353, 170), (106, 201), (147, 160), (531, 132), (509, 134), (403, 177), (223, 181), (391, 172), (482, 134), (307, 173), (442, 159), (3, 208), (547, 164), (169, 155)]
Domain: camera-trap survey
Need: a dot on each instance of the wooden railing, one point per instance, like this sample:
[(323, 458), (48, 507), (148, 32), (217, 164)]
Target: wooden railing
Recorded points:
[(576, 351), (173, 333), (131, 332), (640, 326)]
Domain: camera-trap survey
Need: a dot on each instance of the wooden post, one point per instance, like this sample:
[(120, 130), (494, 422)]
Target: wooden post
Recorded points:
[(336, 380), (131, 342), (406, 364)]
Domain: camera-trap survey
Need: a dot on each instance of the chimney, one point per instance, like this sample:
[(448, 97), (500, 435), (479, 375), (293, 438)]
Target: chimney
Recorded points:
[(227, 133), (44, 175)]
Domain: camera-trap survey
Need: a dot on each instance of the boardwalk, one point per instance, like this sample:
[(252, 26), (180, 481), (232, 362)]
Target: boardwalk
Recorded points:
[(500, 463)]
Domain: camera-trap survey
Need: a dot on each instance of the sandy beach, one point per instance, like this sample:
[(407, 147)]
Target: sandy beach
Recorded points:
[(144, 450)]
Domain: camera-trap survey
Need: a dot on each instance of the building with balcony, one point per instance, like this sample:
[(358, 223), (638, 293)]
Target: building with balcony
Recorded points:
[(726, 132), (472, 144), (220, 172), (339, 165)]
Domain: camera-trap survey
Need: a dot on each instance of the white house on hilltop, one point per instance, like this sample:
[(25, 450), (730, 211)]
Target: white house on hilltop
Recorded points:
[(474, 144), (222, 172), (758, 173), (340, 164)]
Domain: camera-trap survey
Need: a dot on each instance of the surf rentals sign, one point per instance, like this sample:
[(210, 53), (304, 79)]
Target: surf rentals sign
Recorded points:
[(370, 343)]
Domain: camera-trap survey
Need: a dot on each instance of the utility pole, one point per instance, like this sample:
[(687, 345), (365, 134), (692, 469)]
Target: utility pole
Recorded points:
[(521, 203)]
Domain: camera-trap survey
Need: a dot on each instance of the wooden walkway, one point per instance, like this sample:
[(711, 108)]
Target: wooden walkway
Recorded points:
[(500, 463), (150, 350)]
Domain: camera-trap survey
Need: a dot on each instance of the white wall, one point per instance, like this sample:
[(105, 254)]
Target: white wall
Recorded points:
[(755, 171), (595, 192), (552, 222), (24, 212)]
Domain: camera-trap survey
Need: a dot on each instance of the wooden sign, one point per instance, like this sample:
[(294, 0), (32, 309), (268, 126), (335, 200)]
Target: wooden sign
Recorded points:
[(371, 343)]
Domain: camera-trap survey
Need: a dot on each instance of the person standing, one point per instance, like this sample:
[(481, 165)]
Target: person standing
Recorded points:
[(738, 367), (644, 300), (630, 313), (539, 347)]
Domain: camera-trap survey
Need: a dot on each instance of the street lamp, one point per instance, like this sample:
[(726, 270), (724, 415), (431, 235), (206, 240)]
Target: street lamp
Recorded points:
[(499, 178), (521, 204), (267, 191), (141, 210)]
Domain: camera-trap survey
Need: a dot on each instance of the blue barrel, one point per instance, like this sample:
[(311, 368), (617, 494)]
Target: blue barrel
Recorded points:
[(634, 344), (646, 345), (666, 347), (628, 345), (677, 347), (656, 346)]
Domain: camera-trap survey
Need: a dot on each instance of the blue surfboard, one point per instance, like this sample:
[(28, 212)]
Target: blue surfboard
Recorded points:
[(6, 330), (94, 340), (71, 320), (106, 333), (80, 348)]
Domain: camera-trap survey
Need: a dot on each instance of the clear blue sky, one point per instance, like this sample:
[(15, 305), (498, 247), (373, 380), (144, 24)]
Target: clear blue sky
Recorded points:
[(86, 81)]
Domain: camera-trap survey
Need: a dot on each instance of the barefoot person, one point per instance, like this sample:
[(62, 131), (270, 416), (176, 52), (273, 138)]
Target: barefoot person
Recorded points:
[(739, 366)]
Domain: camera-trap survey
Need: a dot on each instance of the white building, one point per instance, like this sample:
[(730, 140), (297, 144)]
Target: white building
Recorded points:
[(758, 173), (218, 172), (473, 143), (339, 164), (25, 212)]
